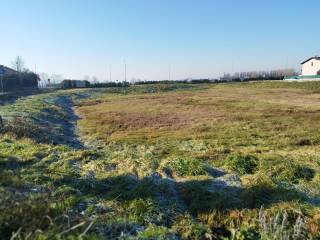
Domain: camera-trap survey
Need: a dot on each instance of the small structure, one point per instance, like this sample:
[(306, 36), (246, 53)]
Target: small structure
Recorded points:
[(311, 66), (12, 81), (310, 70), (5, 70), (75, 83)]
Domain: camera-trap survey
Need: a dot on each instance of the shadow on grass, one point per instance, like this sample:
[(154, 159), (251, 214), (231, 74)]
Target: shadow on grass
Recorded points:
[(196, 194)]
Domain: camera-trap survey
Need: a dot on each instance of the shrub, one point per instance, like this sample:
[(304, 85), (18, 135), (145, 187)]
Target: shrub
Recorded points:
[(22, 128), (304, 172), (142, 210), (304, 142), (292, 172), (246, 234), (189, 229), (157, 233), (188, 167), (246, 164)]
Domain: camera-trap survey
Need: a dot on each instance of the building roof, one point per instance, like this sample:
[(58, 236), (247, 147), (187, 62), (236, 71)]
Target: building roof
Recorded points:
[(5, 70), (316, 57)]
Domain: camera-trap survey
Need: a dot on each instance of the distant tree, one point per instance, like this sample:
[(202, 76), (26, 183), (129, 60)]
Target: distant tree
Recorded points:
[(18, 64), (86, 77), (56, 78), (318, 73), (43, 79), (94, 79), (67, 84)]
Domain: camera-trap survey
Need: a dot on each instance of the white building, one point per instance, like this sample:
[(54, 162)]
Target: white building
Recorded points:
[(311, 66)]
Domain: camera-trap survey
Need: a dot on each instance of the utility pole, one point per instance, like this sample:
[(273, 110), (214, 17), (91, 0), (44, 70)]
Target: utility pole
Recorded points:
[(110, 73), (125, 70), (169, 72)]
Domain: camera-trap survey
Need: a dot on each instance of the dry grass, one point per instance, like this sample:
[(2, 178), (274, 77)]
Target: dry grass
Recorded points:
[(274, 112), (157, 159)]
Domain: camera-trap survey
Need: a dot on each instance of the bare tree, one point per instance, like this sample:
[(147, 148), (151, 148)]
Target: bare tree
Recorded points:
[(94, 79), (43, 79), (86, 77), (56, 78), (18, 64)]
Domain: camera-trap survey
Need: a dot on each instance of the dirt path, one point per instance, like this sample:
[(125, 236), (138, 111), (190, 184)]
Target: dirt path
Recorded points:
[(70, 129)]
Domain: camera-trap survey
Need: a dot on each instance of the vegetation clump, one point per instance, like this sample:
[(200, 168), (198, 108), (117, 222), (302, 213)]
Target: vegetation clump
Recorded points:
[(242, 164), (188, 167), (190, 229)]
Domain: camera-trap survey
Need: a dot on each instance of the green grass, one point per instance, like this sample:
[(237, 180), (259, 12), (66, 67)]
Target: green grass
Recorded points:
[(162, 161)]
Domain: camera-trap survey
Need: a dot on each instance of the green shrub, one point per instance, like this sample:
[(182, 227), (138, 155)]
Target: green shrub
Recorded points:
[(242, 164), (246, 234), (291, 172), (188, 167), (304, 142), (304, 172), (141, 210), (157, 233), (189, 229)]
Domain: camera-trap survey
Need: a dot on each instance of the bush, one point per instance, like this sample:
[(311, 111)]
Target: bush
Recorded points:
[(247, 234), (188, 167), (21, 128), (304, 142), (292, 172), (157, 233), (303, 172), (189, 229), (242, 164), (142, 210)]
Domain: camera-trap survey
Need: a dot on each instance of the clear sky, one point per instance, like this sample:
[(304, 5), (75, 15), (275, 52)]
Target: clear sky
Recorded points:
[(197, 38)]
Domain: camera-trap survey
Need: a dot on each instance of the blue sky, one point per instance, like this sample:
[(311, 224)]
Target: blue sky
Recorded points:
[(197, 38)]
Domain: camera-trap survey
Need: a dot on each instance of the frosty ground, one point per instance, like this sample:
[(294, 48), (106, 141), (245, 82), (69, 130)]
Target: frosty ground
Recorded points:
[(163, 161)]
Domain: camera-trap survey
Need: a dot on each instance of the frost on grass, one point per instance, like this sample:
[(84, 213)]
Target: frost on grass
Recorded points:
[(163, 161)]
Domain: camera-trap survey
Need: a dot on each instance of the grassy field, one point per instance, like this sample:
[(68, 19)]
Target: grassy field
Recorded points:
[(163, 161)]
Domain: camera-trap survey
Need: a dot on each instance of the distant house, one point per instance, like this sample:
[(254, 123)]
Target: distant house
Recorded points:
[(310, 71), (5, 70), (75, 83), (311, 66)]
